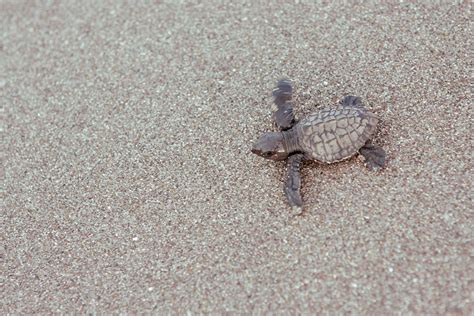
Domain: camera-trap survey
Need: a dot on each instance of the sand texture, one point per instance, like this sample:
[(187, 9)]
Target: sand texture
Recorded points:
[(129, 185)]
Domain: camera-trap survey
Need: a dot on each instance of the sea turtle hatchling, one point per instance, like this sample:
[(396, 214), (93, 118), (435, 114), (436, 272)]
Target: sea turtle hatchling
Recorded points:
[(329, 135)]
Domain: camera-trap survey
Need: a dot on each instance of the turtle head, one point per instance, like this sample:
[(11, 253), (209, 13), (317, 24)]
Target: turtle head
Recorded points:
[(270, 146)]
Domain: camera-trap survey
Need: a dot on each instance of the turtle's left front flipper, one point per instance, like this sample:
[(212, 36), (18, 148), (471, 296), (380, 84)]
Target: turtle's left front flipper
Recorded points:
[(293, 180), (282, 94)]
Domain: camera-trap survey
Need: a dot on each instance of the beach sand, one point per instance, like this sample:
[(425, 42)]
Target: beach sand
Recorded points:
[(129, 185)]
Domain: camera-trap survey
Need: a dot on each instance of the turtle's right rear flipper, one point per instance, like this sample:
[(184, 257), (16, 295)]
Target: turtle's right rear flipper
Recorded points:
[(350, 100), (284, 116)]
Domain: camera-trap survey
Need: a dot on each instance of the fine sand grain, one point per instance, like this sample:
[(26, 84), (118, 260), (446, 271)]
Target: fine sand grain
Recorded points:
[(128, 184)]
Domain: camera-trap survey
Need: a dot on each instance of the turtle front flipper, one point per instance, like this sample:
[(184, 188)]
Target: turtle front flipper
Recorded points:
[(293, 180), (284, 116), (374, 156)]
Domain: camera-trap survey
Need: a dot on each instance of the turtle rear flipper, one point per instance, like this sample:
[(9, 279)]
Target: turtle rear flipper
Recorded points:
[(293, 180), (350, 100), (374, 156), (284, 116)]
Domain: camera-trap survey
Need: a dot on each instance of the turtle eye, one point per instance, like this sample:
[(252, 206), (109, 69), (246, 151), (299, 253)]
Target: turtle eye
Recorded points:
[(267, 154)]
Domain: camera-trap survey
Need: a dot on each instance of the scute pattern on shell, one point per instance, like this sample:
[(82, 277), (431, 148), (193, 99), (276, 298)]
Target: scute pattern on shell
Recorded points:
[(334, 134)]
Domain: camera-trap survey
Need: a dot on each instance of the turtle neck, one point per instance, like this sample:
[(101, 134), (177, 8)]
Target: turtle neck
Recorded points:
[(290, 140)]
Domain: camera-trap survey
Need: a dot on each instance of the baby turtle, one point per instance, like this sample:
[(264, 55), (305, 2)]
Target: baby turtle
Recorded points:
[(327, 136)]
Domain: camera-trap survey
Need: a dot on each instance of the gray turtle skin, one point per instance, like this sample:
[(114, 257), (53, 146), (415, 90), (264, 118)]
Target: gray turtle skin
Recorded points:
[(327, 136)]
